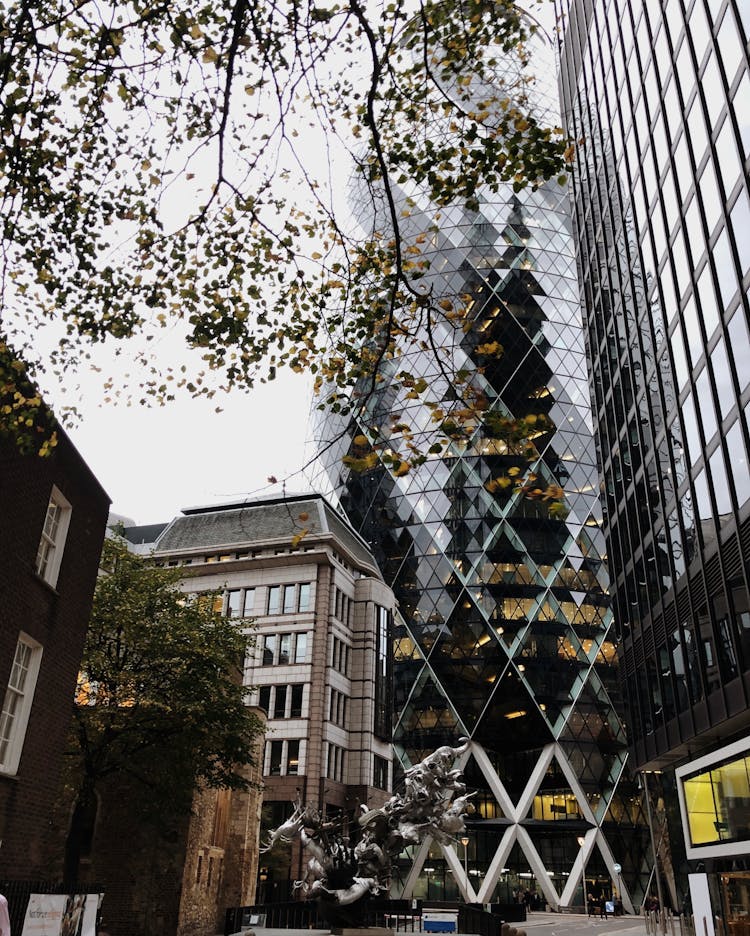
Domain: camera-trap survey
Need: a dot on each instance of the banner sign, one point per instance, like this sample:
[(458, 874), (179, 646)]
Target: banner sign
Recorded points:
[(61, 915)]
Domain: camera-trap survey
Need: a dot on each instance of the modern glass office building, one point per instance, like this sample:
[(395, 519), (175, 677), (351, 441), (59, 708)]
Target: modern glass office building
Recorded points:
[(506, 632), (659, 93)]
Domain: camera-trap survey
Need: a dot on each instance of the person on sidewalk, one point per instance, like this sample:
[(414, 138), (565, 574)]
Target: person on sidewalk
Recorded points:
[(4, 917)]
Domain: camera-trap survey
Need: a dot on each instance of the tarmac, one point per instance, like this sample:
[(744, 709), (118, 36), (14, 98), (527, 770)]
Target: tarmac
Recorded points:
[(546, 923)]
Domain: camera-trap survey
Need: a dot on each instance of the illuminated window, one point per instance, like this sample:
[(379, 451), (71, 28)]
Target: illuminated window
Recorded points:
[(718, 803)]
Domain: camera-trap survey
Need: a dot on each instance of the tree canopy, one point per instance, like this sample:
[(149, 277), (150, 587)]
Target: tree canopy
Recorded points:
[(164, 168), (160, 696)]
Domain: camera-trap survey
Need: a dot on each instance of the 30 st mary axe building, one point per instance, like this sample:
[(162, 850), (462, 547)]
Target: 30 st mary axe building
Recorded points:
[(659, 93), (505, 634)]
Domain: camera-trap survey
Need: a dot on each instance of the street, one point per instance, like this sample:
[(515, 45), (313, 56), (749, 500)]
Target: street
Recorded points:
[(573, 924)]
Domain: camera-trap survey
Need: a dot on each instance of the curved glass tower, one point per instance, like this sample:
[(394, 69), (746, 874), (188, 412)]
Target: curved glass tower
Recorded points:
[(506, 633)]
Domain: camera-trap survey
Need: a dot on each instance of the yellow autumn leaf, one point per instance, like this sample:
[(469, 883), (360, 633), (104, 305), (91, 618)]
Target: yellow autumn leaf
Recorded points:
[(298, 537)]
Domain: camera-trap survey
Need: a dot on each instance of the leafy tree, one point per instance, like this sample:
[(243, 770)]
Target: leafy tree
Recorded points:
[(172, 168), (160, 697)]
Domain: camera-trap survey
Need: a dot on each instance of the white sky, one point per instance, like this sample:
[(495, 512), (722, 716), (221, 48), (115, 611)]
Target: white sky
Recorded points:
[(153, 462)]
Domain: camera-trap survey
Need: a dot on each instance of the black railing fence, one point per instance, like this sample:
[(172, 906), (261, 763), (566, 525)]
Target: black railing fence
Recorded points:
[(17, 894), (399, 915)]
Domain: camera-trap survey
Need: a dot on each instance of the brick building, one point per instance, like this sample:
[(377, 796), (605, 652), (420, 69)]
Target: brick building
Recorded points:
[(321, 661), (53, 514)]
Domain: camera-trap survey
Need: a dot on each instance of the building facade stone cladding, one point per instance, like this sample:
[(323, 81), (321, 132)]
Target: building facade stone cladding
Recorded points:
[(308, 590)]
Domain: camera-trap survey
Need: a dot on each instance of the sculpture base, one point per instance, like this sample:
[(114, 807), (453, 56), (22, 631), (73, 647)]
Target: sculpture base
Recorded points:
[(361, 931)]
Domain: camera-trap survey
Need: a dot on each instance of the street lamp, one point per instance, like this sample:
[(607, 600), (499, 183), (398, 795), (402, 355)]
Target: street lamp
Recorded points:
[(581, 841), (617, 868), (465, 843)]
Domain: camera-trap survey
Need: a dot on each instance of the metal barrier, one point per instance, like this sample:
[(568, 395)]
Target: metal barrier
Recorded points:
[(295, 914), (659, 922), (17, 894), (401, 915), (475, 920)]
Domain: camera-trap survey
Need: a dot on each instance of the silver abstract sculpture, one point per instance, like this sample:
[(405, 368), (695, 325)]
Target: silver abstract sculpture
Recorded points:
[(348, 863)]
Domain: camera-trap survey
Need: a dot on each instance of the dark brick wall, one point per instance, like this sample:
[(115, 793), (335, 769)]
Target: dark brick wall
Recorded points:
[(146, 866), (56, 619)]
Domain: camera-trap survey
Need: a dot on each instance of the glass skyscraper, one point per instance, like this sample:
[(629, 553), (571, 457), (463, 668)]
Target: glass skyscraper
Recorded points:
[(505, 633), (658, 91)]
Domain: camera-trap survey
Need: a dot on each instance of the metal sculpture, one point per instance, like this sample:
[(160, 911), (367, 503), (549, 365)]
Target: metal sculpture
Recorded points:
[(351, 861)]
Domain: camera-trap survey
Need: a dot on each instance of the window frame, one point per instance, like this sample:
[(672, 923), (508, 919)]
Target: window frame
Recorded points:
[(304, 594), (47, 565), (296, 700), (19, 720), (273, 600)]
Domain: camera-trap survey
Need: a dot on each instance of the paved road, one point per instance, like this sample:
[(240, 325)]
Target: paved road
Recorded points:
[(577, 924)]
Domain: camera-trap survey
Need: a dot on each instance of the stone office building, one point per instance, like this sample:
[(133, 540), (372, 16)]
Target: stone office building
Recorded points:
[(308, 589)]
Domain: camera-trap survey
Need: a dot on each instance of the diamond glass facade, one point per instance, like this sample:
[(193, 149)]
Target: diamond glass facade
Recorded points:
[(660, 91), (505, 633)]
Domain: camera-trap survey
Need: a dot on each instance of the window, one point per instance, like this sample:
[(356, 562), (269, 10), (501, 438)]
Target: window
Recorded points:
[(287, 599), (335, 764), (274, 699), (52, 542), (240, 602), (289, 595), (295, 710), (274, 598), (300, 655), (274, 761), (234, 602), (17, 704), (380, 772), (303, 603), (283, 757), (283, 649), (292, 757), (716, 802), (340, 656), (279, 708), (337, 708), (383, 712), (269, 649)]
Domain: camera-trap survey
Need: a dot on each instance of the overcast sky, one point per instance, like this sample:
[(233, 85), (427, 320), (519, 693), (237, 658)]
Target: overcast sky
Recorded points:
[(153, 462)]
